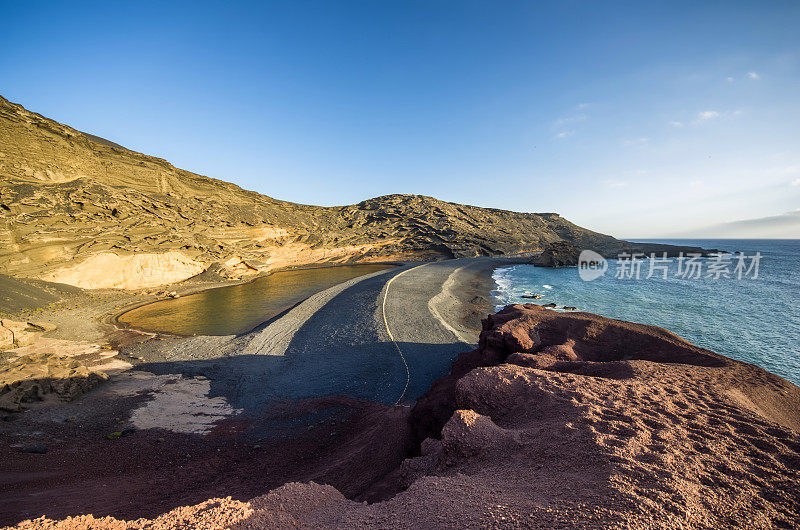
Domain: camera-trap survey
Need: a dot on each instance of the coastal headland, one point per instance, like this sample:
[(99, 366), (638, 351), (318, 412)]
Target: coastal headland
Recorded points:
[(545, 419), (79, 210), (396, 398), (552, 419)]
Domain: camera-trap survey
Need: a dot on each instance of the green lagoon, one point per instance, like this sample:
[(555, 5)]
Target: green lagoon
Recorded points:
[(238, 309)]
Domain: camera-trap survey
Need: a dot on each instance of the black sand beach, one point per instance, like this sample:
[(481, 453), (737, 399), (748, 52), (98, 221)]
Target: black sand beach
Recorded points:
[(321, 376)]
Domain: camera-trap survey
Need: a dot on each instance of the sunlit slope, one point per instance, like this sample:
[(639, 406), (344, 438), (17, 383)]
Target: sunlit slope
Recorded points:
[(69, 199)]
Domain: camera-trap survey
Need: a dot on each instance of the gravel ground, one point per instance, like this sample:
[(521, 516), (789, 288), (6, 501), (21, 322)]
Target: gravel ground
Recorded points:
[(312, 390)]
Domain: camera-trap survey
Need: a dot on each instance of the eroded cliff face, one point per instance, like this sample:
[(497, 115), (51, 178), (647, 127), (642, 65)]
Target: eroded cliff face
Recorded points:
[(67, 197)]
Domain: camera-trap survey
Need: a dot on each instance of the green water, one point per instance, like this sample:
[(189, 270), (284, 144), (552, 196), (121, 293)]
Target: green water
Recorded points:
[(240, 308)]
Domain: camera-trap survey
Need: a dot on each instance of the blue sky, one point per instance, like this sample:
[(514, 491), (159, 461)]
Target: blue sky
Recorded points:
[(638, 119)]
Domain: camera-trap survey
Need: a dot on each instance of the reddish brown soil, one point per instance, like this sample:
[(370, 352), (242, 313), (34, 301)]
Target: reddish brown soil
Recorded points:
[(563, 420), (149, 472)]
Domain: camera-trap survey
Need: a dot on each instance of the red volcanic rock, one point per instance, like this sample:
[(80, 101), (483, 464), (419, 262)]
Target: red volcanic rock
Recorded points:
[(586, 337), (564, 420)]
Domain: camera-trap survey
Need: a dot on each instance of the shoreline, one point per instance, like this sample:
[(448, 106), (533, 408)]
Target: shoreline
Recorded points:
[(121, 301), (113, 319), (617, 435), (470, 300), (367, 450), (236, 441)]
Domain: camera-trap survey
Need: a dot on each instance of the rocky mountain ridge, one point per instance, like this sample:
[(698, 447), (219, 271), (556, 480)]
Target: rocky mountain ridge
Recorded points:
[(81, 210)]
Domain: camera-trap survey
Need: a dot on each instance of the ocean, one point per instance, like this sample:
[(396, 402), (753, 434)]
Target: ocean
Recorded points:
[(752, 315)]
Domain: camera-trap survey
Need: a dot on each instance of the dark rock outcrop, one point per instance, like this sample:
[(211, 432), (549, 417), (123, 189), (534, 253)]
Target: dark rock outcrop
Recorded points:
[(626, 249), (567, 254), (558, 254)]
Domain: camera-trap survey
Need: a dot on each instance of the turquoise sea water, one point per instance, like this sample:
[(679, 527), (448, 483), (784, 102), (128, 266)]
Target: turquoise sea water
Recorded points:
[(753, 320)]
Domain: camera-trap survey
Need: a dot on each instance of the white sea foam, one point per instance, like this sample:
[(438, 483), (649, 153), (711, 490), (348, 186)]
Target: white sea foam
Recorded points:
[(705, 311), (504, 292)]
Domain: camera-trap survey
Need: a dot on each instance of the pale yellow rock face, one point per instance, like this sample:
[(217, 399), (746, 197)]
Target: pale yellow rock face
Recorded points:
[(37, 368), (6, 337), (14, 334), (235, 265), (138, 271)]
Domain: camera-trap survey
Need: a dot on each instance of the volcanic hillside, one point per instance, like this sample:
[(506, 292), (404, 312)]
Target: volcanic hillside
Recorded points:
[(78, 209)]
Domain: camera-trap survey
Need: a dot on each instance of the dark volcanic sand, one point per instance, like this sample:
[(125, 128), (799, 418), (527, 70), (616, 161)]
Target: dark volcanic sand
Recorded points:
[(139, 475), (555, 420), (146, 473)]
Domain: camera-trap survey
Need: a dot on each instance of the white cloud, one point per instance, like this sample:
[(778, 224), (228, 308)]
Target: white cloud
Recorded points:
[(730, 80), (754, 76), (612, 183), (565, 134), (637, 141), (707, 115), (583, 106), (570, 119), (779, 173)]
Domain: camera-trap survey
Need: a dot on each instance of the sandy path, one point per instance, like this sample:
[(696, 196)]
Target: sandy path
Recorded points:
[(275, 338), (389, 331), (442, 307), (446, 302), (427, 312)]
